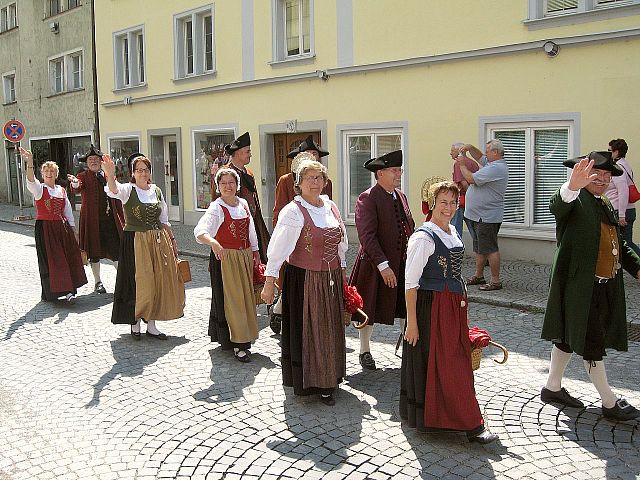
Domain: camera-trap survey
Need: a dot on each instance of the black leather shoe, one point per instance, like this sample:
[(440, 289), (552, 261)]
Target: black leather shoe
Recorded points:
[(136, 335), (160, 336), (621, 411), (367, 361), (100, 288), (328, 400), (484, 437), (275, 322), (561, 396), (242, 358)]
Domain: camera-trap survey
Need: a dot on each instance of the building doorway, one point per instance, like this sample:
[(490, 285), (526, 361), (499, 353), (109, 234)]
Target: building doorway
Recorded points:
[(166, 171), (283, 143)]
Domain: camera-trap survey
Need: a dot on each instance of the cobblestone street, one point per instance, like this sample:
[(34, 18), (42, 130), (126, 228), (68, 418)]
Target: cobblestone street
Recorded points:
[(79, 399)]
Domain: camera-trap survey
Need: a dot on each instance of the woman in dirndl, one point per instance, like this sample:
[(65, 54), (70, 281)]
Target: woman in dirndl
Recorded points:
[(227, 227), (59, 259), (148, 285), (436, 382), (311, 237)]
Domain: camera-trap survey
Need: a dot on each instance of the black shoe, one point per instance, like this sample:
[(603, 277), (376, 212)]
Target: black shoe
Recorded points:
[(275, 322), (70, 298), (159, 336), (621, 411), (242, 358), (367, 361), (328, 400), (484, 437), (100, 288), (135, 335), (561, 396)]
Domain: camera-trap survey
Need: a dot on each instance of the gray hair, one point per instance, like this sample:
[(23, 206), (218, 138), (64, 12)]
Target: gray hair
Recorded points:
[(226, 171), (305, 165), (457, 145), (496, 146)]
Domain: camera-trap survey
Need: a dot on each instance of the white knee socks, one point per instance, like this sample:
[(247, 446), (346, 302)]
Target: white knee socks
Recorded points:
[(559, 362), (136, 328), (151, 327), (365, 335), (598, 376), (95, 268)]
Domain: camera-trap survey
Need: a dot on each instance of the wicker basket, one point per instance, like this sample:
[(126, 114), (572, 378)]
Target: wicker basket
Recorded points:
[(476, 355), (347, 319), (257, 290)]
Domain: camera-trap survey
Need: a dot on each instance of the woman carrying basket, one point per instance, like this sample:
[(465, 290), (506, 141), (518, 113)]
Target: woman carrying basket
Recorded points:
[(436, 386)]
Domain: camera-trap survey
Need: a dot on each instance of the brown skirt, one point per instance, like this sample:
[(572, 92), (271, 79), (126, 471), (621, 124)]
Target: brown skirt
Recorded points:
[(239, 300)]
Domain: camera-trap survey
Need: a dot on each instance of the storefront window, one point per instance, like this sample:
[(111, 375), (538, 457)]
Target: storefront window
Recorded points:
[(209, 156), (120, 149)]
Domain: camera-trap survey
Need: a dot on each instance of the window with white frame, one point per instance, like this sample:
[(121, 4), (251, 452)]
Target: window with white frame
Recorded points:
[(66, 72), (360, 146), (120, 149), (58, 6), (128, 57), (9, 87), (293, 29), (534, 153), (539, 9), (209, 155), (8, 17), (194, 46)]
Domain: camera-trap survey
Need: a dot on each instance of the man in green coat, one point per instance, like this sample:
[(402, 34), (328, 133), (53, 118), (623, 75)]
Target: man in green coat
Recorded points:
[(586, 310)]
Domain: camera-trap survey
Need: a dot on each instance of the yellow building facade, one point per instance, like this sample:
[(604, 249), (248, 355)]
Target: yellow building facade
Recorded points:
[(552, 79)]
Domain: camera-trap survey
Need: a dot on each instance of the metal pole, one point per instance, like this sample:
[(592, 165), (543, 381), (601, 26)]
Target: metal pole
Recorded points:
[(20, 180)]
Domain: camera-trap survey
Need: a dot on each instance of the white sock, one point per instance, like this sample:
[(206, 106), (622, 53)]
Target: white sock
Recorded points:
[(598, 376), (365, 335), (559, 362), (115, 264), (136, 328), (95, 268), (151, 327)]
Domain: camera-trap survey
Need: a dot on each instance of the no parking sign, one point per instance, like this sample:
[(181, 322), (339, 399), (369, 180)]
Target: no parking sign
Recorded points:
[(14, 131)]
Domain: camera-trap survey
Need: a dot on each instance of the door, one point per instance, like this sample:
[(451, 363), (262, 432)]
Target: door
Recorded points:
[(283, 143), (171, 177)]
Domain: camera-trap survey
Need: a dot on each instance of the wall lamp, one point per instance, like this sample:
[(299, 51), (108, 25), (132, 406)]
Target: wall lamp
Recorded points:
[(551, 48)]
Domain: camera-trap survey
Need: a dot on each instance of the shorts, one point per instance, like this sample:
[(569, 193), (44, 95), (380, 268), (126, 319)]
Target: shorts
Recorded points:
[(484, 236)]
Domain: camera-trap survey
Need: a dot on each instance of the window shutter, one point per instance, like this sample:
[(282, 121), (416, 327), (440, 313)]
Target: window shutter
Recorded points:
[(551, 148), (514, 155), (554, 6)]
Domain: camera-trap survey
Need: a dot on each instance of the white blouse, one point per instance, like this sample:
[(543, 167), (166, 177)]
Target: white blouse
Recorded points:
[(214, 216), (145, 196), (288, 229), (420, 247), (36, 189)]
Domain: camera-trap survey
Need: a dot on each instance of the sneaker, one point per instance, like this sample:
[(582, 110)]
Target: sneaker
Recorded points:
[(367, 361), (621, 411), (100, 288), (561, 396)]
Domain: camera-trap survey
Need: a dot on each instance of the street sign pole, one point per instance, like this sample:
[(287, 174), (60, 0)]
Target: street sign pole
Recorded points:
[(14, 131)]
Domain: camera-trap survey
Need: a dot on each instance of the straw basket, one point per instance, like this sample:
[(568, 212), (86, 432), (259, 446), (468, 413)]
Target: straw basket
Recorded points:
[(257, 290), (347, 319), (476, 355)]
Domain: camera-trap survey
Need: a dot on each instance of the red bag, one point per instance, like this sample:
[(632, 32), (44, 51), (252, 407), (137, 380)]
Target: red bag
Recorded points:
[(634, 194)]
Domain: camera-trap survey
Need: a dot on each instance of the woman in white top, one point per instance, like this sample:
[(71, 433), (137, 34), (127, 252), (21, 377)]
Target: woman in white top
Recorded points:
[(148, 284), (310, 236), (59, 260), (618, 192), (227, 227)]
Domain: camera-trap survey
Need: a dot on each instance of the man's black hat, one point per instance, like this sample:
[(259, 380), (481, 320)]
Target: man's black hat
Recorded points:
[(242, 141), (306, 145), (93, 151), (601, 161), (393, 159)]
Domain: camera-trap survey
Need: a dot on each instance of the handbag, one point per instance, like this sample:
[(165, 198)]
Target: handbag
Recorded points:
[(184, 270), (634, 195)]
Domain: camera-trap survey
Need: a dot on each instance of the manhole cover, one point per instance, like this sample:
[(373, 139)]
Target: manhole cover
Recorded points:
[(633, 332)]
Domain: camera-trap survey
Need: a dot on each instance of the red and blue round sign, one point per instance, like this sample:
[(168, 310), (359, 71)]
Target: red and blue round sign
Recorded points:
[(14, 131)]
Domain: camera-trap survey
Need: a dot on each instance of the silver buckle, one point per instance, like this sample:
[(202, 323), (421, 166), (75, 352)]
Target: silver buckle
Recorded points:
[(601, 280)]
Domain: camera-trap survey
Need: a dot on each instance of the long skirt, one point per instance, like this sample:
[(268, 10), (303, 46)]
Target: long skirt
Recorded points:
[(109, 242), (313, 343), (232, 319), (148, 284), (436, 379), (59, 260)]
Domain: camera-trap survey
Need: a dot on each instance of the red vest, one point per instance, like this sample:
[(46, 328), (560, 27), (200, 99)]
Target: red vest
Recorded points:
[(50, 208), (233, 233)]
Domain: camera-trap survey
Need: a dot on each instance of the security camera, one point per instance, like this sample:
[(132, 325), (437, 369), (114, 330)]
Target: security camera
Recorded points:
[(54, 27)]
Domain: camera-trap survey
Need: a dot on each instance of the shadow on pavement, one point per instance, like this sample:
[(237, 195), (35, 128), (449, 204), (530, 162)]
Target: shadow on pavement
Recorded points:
[(131, 357)]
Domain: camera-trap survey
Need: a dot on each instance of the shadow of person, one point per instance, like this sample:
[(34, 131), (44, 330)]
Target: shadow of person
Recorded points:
[(130, 358), (58, 308), (230, 377), (322, 435)]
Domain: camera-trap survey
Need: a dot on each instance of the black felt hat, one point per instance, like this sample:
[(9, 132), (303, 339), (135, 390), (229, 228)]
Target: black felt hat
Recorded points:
[(306, 145), (132, 157), (242, 141), (393, 159), (93, 151), (601, 160)]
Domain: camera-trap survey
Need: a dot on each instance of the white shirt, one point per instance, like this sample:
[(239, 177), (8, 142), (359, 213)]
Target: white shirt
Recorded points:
[(288, 229), (420, 247), (214, 216), (145, 196), (37, 188)]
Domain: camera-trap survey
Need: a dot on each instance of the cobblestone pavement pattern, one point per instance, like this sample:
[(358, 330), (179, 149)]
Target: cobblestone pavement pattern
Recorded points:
[(79, 399)]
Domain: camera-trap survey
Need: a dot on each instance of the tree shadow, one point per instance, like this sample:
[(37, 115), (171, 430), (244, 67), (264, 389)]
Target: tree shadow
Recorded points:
[(230, 377), (130, 359)]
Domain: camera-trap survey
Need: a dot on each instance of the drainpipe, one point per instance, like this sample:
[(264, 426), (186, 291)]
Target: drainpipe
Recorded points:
[(96, 127)]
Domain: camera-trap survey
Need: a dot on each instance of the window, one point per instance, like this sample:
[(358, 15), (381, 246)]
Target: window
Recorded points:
[(120, 149), (128, 58), (359, 147), (8, 17), (194, 42), (534, 153), (293, 29), (9, 87), (560, 6), (209, 155), (553, 10), (66, 72), (59, 6)]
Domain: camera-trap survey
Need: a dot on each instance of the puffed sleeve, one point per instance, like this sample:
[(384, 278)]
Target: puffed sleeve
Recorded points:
[(35, 188), (68, 212), (164, 210), (124, 191), (420, 247), (209, 222), (284, 238)]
